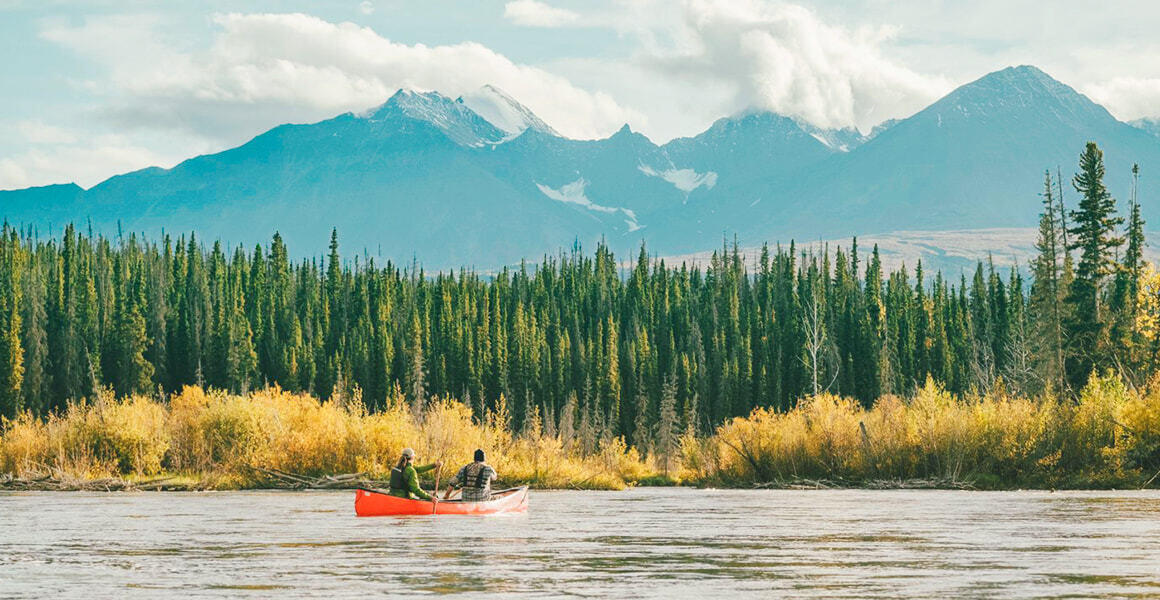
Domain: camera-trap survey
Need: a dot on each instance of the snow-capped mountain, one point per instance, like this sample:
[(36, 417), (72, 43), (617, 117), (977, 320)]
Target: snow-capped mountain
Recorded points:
[(482, 181), (463, 125), (841, 140), (502, 111)]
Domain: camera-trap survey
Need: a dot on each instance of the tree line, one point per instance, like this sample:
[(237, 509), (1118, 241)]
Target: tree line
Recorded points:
[(638, 350)]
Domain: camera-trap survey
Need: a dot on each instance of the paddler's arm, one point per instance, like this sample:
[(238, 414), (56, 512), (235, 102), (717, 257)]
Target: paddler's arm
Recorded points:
[(454, 484), (412, 477), (425, 468)]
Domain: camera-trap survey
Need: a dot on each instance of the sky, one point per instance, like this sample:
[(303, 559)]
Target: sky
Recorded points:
[(96, 88)]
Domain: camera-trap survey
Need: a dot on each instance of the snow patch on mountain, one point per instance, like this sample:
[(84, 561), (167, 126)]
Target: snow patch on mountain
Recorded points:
[(838, 140), (881, 127), (685, 180), (503, 111), (573, 193)]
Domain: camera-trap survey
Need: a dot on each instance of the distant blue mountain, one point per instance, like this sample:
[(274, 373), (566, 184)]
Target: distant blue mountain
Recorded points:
[(46, 208), (480, 180), (973, 159)]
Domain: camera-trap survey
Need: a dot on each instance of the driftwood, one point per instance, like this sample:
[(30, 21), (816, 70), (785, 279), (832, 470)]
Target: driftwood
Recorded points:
[(48, 479), (279, 479), (870, 484), (49, 482)]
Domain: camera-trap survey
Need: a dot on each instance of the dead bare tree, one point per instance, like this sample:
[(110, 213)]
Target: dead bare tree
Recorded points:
[(1020, 370), (819, 351)]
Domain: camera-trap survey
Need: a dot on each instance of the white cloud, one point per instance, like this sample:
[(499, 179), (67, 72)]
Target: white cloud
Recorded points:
[(267, 69), (43, 154), (784, 58), (127, 43), (366, 7), (675, 66), (85, 162), (1127, 97), (694, 61), (530, 13), (38, 132)]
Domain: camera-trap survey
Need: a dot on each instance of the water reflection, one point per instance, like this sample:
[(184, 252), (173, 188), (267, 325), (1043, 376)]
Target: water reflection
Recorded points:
[(659, 543)]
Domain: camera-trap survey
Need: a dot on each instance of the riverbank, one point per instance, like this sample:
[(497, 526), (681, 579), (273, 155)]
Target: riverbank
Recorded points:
[(214, 440), (1108, 438), (186, 483)]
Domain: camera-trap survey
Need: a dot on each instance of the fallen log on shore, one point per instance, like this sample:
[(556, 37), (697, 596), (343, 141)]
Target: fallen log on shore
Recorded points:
[(279, 479), (266, 478), (49, 482), (868, 484)]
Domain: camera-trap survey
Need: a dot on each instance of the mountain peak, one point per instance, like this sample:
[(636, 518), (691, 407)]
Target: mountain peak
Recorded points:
[(1013, 91), (402, 101), (463, 125), (626, 135), (1026, 77), (1025, 71), (416, 100), (1024, 82), (762, 118), (761, 123)]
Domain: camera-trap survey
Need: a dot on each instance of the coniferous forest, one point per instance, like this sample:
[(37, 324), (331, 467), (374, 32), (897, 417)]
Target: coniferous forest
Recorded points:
[(581, 335)]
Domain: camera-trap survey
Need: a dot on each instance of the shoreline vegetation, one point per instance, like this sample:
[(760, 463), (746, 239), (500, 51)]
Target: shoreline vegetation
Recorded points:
[(809, 368), (1108, 437)]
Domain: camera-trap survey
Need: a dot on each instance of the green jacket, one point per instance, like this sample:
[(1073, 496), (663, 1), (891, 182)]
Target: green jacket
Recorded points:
[(411, 487)]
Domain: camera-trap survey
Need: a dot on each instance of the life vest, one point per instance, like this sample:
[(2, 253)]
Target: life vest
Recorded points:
[(481, 481)]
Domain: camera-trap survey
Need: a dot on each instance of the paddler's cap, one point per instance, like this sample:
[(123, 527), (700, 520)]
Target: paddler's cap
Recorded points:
[(479, 457), (409, 453)]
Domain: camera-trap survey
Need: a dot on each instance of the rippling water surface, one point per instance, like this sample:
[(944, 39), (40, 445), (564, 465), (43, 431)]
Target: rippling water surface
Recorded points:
[(660, 543)]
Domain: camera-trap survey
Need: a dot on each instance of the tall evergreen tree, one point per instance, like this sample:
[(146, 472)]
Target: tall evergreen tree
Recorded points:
[(11, 350), (37, 386), (131, 373), (1094, 235)]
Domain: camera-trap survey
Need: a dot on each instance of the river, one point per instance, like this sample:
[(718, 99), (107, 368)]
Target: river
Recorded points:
[(641, 543)]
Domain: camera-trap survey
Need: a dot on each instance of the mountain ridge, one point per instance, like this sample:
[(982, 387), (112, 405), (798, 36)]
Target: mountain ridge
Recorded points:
[(423, 174)]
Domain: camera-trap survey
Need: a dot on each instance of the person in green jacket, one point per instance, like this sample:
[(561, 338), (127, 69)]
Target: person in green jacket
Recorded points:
[(405, 477)]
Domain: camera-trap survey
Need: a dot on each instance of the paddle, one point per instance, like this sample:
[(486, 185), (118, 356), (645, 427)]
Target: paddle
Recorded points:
[(435, 496)]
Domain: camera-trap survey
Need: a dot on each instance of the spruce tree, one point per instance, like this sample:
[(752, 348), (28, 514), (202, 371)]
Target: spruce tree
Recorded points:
[(1094, 235), (11, 350), (37, 386), (131, 372), (667, 435)]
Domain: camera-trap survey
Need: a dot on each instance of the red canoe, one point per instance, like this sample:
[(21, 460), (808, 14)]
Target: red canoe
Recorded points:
[(372, 503)]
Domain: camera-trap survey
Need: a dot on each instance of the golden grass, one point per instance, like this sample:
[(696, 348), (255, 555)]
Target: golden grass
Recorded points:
[(221, 439), (1110, 437)]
